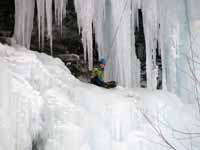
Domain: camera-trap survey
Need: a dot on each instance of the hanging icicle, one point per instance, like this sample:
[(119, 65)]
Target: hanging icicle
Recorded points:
[(45, 18), (24, 13), (60, 11), (24, 16), (85, 13)]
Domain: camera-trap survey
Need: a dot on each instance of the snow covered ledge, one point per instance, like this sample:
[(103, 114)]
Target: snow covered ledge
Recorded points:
[(42, 103)]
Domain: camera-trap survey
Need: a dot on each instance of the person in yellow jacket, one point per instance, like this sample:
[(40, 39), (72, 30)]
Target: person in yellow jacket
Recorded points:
[(97, 76)]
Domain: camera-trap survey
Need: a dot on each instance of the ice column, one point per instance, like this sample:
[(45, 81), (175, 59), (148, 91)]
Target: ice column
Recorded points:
[(24, 13), (151, 27), (194, 25), (188, 79), (85, 11), (179, 34), (41, 21), (123, 66), (169, 41)]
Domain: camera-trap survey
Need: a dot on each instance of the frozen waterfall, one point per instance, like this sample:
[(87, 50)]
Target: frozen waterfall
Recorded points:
[(114, 24), (171, 26), (44, 107)]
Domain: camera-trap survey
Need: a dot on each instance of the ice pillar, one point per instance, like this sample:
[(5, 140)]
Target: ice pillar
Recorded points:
[(24, 13)]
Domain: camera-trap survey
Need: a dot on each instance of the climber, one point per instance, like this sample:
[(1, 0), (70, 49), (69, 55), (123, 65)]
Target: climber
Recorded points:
[(97, 76)]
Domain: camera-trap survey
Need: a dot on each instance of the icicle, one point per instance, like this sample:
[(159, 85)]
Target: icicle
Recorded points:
[(85, 12), (41, 21), (49, 22), (60, 11), (45, 21), (151, 27), (24, 13)]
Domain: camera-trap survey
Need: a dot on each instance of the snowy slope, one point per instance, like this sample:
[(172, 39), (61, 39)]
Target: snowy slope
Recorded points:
[(44, 106)]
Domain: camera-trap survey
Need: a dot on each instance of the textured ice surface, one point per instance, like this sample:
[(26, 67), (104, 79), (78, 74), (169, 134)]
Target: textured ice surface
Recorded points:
[(42, 103)]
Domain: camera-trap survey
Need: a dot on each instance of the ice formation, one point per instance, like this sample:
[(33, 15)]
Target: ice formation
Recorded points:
[(24, 15), (179, 53), (113, 23), (42, 106), (171, 26)]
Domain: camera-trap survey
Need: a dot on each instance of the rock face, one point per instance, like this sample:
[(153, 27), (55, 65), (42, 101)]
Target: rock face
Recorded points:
[(6, 18)]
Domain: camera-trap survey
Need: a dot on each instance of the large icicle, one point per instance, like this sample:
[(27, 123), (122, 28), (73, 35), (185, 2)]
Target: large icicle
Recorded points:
[(169, 42), (179, 41), (41, 21), (60, 11), (194, 29), (24, 13), (123, 64), (49, 22), (151, 28), (85, 11)]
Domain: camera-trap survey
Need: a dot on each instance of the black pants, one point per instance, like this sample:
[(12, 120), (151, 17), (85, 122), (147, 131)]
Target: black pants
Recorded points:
[(97, 82)]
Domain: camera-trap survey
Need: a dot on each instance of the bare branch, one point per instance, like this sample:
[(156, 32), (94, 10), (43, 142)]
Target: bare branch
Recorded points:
[(158, 131)]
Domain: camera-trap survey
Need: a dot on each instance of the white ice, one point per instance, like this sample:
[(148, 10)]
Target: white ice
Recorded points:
[(24, 14), (42, 103)]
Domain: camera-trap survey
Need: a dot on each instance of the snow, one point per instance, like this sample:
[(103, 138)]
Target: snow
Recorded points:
[(42, 103)]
